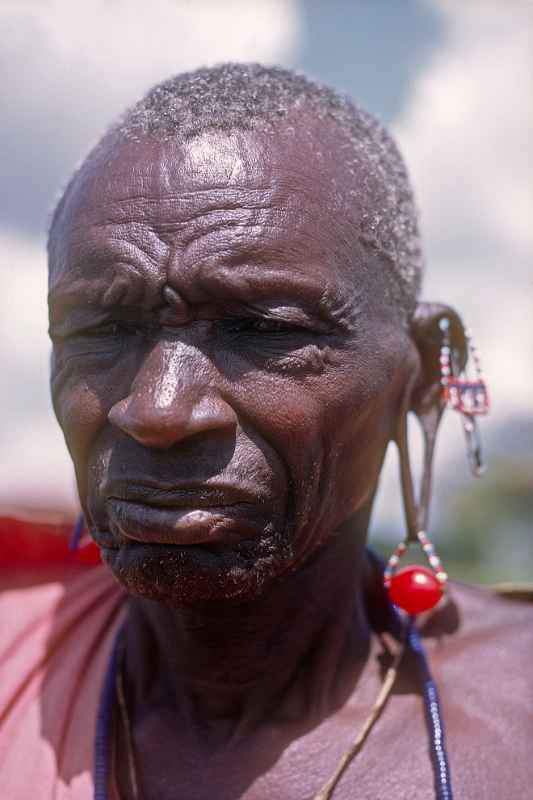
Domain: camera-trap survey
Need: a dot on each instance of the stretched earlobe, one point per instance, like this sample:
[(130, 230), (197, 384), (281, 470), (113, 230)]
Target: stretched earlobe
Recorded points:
[(443, 346), (416, 505), (427, 335), (423, 397), (416, 589)]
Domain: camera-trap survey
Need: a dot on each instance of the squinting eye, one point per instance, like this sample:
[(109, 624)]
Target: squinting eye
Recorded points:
[(97, 340), (110, 330), (250, 325), (272, 326)]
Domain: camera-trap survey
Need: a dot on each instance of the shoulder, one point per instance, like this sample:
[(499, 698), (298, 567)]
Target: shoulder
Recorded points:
[(45, 614), (482, 634), (39, 576), (50, 606), (480, 651), (482, 617), (57, 626)]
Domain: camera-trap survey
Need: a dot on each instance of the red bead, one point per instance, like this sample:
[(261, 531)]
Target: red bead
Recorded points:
[(415, 589)]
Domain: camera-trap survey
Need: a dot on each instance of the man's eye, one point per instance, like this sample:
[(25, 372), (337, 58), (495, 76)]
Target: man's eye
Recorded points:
[(267, 326), (108, 330), (97, 340), (111, 329)]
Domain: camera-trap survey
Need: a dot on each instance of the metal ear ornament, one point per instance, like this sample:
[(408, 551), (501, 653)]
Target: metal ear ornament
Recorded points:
[(416, 589), (466, 395)]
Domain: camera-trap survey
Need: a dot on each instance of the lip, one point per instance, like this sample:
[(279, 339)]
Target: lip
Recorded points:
[(196, 523), (191, 495)]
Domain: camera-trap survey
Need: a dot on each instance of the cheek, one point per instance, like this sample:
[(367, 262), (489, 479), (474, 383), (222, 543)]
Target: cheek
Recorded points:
[(331, 428), (82, 398), (361, 448), (81, 413), (295, 415), (80, 410), (367, 420)]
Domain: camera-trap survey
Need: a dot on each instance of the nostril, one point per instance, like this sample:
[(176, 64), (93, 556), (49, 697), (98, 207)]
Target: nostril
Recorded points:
[(118, 414), (150, 427), (155, 426), (125, 417), (213, 412)]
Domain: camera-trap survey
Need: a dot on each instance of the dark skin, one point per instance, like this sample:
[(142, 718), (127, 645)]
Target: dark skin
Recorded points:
[(228, 377)]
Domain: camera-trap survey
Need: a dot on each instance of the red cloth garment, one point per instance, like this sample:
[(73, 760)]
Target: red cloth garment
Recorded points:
[(58, 621), (39, 540)]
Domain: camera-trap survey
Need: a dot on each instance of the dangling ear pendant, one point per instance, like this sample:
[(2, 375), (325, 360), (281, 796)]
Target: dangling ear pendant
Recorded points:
[(415, 589), (467, 396)]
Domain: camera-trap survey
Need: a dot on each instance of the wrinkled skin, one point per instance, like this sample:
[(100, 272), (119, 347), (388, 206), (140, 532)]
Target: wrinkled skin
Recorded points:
[(272, 374), (228, 375)]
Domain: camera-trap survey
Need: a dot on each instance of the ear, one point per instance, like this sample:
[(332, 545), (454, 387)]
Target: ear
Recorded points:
[(426, 397), (423, 397)]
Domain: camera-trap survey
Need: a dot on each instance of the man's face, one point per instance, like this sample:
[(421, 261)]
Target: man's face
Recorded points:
[(226, 370)]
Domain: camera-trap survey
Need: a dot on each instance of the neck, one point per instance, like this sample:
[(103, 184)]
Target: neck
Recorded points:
[(293, 652)]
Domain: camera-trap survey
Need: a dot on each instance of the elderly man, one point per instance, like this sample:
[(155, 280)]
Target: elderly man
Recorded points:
[(234, 274)]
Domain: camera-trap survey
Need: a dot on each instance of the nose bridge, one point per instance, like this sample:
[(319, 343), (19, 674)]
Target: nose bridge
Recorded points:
[(173, 397), (175, 373)]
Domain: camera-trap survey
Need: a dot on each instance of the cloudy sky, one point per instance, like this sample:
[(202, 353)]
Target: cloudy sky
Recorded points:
[(450, 78)]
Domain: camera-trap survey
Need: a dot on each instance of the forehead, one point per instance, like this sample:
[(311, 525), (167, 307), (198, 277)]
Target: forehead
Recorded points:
[(268, 197)]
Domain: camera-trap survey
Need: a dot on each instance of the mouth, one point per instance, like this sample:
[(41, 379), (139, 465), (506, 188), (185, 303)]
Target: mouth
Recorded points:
[(184, 517), (192, 495)]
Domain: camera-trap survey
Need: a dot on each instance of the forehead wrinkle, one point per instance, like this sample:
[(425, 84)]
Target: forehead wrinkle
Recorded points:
[(94, 251), (223, 223), (181, 207), (230, 244), (255, 286), (341, 307), (127, 241), (297, 218), (265, 248), (122, 284), (67, 295), (278, 226)]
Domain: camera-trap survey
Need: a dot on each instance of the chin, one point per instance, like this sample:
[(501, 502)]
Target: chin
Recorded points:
[(187, 576)]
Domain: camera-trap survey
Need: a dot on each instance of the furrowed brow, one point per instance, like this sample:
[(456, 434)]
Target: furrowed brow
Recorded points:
[(275, 289)]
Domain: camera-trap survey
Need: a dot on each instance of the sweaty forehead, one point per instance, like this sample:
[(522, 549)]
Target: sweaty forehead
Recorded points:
[(275, 197)]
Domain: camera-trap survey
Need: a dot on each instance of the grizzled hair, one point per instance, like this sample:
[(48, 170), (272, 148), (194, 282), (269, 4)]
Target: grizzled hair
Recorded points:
[(251, 97)]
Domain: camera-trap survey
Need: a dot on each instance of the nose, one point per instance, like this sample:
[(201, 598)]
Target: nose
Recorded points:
[(172, 398)]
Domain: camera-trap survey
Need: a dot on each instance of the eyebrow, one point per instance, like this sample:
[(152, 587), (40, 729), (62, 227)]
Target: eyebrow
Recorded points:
[(258, 286), (241, 275), (300, 299)]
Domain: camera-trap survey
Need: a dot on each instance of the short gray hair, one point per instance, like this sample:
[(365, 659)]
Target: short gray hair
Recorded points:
[(250, 96)]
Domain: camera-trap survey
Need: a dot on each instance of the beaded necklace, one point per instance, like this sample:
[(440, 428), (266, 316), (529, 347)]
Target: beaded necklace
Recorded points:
[(112, 691)]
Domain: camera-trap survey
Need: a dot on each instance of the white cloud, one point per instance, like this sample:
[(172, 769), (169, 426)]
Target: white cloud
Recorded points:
[(34, 466), (72, 68), (466, 133), (126, 44)]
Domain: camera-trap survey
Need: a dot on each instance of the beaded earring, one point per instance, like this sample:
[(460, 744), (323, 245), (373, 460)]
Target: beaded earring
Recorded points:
[(467, 396), (416, 589)]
